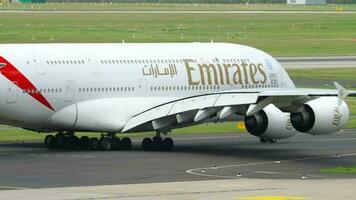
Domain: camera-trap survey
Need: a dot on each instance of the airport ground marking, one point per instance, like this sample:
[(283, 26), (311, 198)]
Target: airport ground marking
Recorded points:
[(201, 171)]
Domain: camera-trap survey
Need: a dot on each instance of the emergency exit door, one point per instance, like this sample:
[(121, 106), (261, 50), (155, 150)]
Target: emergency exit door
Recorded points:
[(11, 94), (69, 90)]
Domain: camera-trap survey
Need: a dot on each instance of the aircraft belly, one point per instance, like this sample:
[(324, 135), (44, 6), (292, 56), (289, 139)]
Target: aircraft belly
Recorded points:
[(100, 115)]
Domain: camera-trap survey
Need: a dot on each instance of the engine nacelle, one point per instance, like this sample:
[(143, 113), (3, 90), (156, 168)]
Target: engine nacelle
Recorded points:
[(320, 116), (270, 123)]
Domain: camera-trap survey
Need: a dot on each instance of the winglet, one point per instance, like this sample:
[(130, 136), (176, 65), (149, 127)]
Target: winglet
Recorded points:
[(342, 92)]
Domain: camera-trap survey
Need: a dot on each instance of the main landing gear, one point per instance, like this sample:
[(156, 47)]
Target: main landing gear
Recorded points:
[(157, 143), (68, 141), (107, 142), (268, 140)]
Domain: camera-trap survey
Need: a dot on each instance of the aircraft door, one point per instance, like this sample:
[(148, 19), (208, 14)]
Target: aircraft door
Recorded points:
[(141, 88), (69, 90), (93, 64), (37, 63), (11, 95)]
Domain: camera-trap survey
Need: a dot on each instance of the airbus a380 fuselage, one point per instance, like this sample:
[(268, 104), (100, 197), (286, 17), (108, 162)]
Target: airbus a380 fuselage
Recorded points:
[(142, 87)]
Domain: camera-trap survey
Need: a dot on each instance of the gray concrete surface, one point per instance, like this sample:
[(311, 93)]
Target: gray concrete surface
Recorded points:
[(236, 189), (196, 157)]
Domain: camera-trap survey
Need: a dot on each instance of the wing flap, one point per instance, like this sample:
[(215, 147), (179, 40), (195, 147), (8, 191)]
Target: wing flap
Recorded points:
[(187, 109), (148, 116), (236, 99), (194, 103)]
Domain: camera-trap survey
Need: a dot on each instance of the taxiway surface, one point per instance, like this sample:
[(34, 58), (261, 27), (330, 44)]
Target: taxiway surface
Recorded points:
[(195, 157), (318, 62)]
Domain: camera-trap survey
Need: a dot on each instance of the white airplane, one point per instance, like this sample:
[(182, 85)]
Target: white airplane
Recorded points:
[(123, 88)]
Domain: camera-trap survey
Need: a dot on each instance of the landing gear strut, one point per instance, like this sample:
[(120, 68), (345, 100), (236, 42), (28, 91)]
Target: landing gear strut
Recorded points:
[(157, 143)]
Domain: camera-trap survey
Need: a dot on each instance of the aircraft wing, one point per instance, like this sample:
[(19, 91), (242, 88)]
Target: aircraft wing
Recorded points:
[(187, 110), (197, 109)]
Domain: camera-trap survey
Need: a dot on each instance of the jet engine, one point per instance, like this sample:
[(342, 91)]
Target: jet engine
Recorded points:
[(320, 116), (270, 123)]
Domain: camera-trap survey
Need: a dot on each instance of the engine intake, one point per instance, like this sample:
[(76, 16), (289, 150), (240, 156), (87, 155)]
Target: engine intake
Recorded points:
[(303, 120), (270, 123), (257, 124), (320, 116)]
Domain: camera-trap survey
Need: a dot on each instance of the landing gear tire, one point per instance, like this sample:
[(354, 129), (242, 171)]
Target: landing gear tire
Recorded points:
[(50, 142), (272, 141), (73, 142), (158, 143), (167, 144), (84, 143), (46, 141), (61, 141), (115, 143), (126, 143), (267, 140), (147, 144), (68, 141), (263, 140), (94, 144), (105, 144)]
